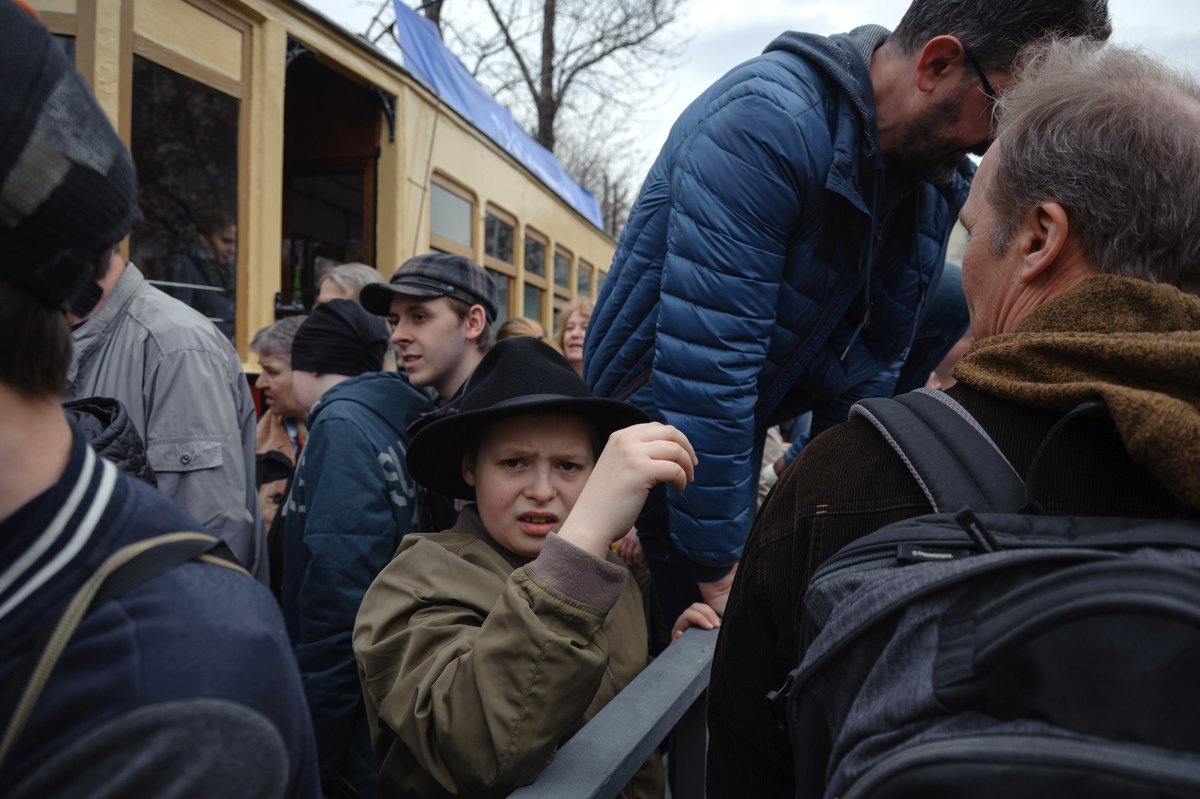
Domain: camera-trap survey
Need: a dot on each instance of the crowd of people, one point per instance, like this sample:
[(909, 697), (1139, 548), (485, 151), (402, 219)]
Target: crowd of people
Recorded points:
[(445, 543)]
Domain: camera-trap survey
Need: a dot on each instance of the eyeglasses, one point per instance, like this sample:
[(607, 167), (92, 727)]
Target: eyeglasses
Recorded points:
[(988, 91)]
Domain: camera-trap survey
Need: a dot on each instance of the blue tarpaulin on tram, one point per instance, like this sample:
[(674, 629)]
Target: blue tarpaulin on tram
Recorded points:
[(428, 59)]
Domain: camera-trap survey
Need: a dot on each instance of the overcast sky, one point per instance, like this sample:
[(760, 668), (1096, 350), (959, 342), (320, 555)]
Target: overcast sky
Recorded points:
[(722, 34)]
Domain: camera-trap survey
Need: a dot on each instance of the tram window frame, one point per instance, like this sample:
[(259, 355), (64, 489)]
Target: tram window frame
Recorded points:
[(539, 284), (490, 257), (582, 268), (190, 59), (176, 269), (64, 27), (440, 242), (504, 284), (501, 269), (563, 289)]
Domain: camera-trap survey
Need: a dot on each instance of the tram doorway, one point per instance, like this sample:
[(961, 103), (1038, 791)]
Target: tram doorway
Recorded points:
[(331, 135)]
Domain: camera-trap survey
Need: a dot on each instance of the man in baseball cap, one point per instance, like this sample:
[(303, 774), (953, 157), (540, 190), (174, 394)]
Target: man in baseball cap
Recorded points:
[(442, 306)]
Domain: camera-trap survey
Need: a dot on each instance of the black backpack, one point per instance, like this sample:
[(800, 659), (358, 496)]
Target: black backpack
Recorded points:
[(990, 652)]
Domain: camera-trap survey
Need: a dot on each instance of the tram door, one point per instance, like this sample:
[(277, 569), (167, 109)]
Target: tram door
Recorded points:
[(330, 154)]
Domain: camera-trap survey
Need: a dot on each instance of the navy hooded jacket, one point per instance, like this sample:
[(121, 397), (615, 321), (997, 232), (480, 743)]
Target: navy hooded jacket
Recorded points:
[(352, 500), (764, 271)]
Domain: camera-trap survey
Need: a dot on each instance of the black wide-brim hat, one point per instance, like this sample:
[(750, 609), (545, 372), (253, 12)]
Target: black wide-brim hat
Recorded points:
[(518, 376)]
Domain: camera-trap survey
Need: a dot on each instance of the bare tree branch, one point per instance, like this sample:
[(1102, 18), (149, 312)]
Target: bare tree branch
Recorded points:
[(571, 71)]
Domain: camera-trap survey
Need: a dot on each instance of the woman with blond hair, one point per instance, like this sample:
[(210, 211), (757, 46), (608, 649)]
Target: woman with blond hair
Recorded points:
[(523, 326), (570, 335)]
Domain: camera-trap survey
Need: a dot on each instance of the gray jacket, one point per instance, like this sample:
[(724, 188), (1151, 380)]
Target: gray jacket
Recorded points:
[(184, 388)]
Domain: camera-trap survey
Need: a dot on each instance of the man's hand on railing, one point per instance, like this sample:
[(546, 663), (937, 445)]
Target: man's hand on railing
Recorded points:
[(698, 615), (716, 593)]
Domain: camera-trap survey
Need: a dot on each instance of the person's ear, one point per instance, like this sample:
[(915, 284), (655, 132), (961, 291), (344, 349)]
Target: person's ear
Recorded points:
[(1042, 239), (476, 322), (942, 57), (468, 468)]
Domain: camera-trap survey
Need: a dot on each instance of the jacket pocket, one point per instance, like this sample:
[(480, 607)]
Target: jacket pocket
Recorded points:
[(184, 456)]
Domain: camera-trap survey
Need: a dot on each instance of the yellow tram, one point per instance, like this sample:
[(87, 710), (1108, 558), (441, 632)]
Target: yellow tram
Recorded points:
[(270, 142)]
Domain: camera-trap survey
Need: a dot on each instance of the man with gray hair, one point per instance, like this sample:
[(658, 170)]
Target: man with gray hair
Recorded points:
[(280, 433), (345, 281), (1085, 243)]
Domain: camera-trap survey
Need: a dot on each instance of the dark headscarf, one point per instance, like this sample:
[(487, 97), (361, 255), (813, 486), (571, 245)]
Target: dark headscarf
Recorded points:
[(340, 338)]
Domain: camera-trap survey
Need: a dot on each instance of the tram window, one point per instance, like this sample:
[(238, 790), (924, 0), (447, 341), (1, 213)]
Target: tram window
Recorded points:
[(497, 238), (535, 256), (533, 302), (449, 215), (562, 269), (503, 282), (185, 148), (583, 281)]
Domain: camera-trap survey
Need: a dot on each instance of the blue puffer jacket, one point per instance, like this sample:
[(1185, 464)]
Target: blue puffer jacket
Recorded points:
[(766, 270), (351, 502)]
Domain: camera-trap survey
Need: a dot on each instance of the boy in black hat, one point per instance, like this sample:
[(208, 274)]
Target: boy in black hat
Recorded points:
[(351, 503), (482, 648)]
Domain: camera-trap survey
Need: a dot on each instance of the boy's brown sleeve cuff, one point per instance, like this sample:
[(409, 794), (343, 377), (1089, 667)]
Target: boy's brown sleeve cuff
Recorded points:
[(568, 569)]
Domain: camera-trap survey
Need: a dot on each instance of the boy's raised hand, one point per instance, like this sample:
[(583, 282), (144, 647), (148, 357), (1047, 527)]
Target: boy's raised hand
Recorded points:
[(634, 460)]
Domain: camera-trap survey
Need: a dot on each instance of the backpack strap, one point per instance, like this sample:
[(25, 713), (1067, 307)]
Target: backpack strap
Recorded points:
[(952, 458), (122, 571)]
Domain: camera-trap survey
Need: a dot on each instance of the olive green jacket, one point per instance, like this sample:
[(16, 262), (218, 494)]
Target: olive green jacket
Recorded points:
[(477, 664)]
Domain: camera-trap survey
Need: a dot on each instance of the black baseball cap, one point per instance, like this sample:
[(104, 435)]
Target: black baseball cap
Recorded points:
[(437, 274)]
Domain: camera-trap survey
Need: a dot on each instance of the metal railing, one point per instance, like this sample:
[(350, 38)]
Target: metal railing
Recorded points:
[(601, 758)]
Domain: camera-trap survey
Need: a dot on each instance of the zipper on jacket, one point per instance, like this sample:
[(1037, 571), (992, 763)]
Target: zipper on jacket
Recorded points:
[(874, 244), (866, 320), (916, 325), (638, 382), (612, 679)]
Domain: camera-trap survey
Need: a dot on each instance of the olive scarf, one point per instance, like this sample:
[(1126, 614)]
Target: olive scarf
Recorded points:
[(1134, 344)]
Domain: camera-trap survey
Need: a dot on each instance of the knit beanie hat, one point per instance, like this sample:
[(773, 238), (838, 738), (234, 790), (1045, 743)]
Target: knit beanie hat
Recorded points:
[(67, 186), (340, 338)]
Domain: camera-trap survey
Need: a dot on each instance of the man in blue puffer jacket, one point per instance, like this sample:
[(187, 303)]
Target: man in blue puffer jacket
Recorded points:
[(785, 242)]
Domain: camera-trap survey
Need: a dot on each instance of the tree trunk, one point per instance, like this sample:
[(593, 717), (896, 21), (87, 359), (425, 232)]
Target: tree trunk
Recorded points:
[(433, 13), (547, 106)]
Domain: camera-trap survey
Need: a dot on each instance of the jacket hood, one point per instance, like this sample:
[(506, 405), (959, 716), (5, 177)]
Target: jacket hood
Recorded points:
[(1131, 343), (107, 427), (388, 395), (844, 58)]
